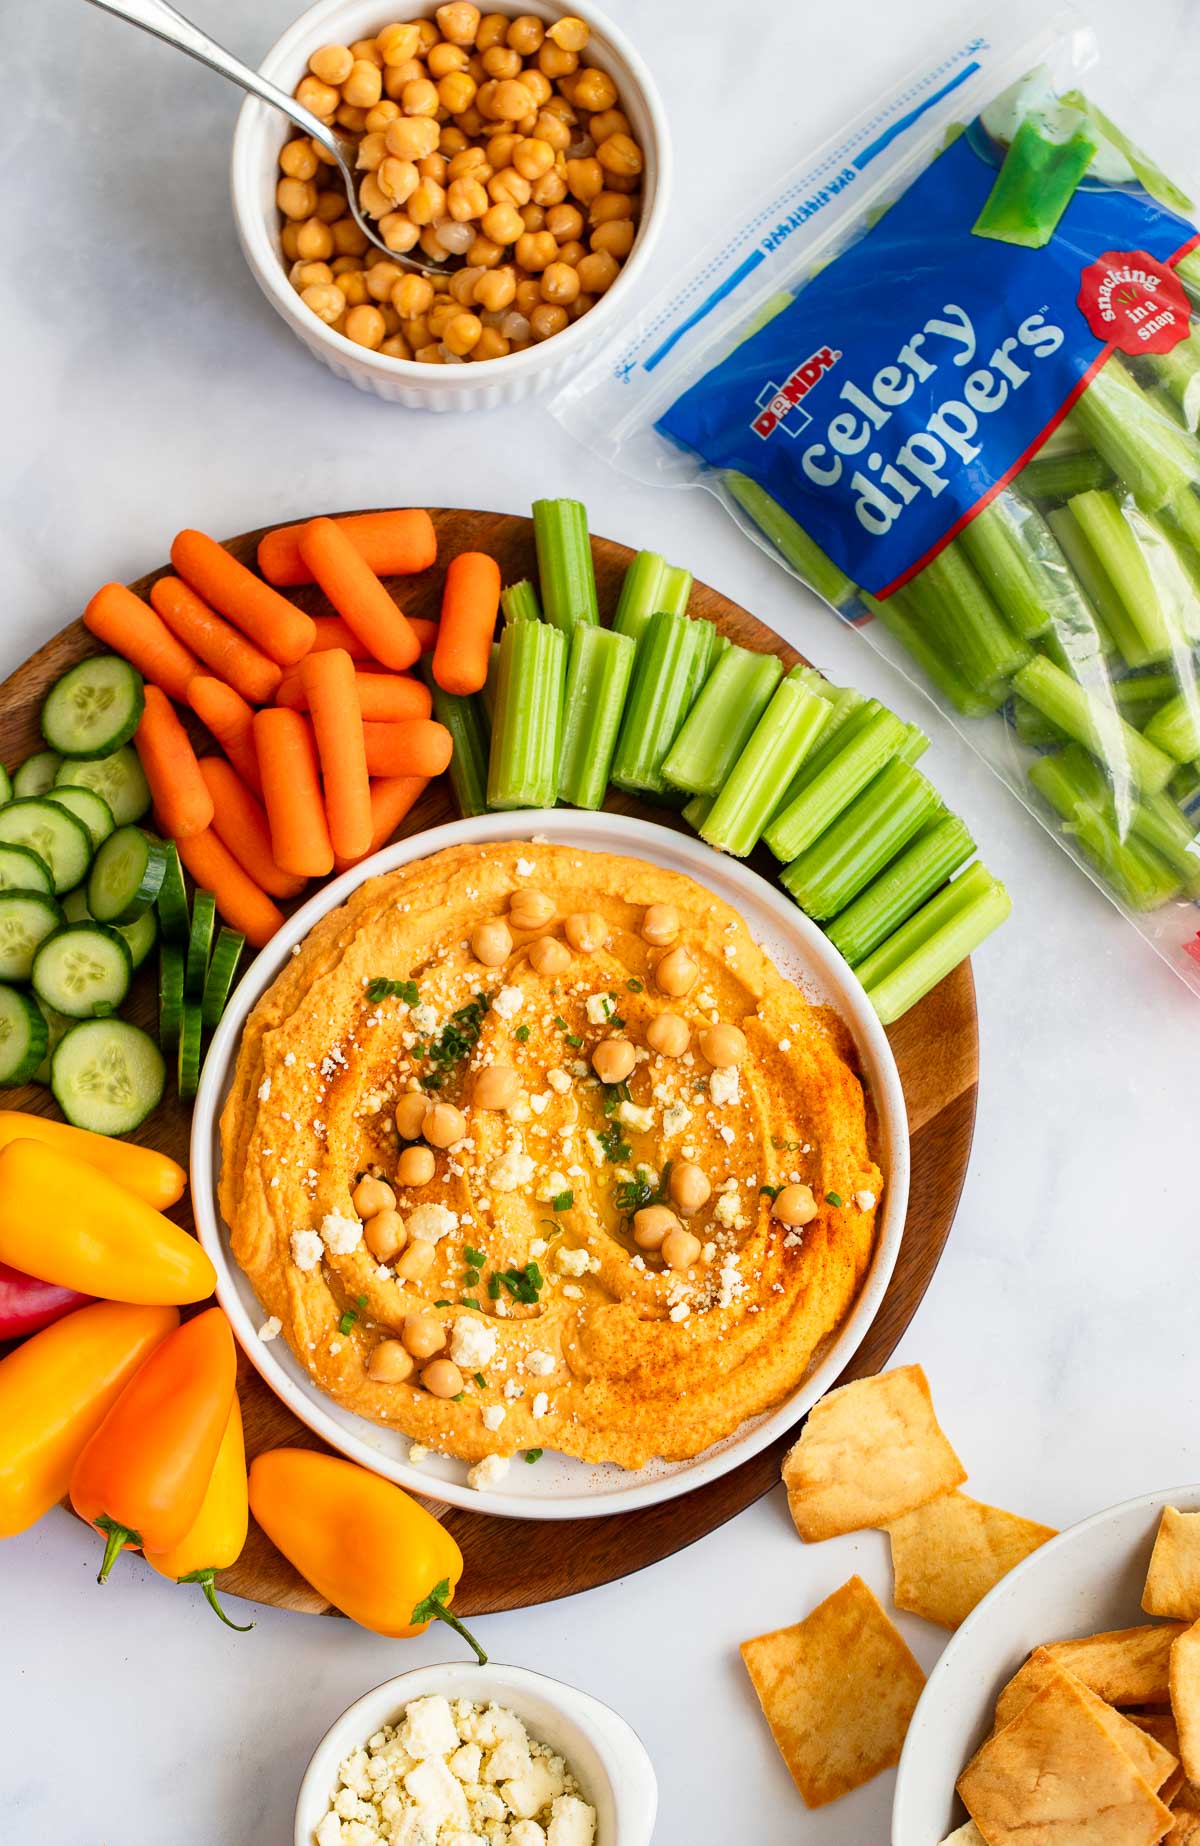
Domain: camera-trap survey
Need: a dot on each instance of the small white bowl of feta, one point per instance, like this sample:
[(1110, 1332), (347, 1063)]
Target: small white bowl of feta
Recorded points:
[(464, 1755)]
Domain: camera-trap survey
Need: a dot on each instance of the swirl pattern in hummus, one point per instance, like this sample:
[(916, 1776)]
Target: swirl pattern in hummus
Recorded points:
[(615, 1357)]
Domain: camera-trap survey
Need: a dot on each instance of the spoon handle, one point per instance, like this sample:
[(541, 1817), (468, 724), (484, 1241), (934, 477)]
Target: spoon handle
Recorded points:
[(162, 19)]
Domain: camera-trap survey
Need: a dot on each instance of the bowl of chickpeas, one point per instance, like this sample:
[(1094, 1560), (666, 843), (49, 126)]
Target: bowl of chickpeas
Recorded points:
[(526, 152)]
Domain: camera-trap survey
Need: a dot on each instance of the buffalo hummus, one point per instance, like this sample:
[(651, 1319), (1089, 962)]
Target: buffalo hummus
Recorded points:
[(531, 1147)]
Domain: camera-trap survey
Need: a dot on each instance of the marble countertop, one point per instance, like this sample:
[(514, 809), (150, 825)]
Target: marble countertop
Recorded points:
[(149, 387)]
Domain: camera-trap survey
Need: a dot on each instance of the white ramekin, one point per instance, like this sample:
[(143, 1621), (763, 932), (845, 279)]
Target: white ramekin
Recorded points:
[(606, 1757), (262, 131)]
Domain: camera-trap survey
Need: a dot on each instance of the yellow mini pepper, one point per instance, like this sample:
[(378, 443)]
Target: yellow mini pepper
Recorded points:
[(219, 1533), (371, 1550)]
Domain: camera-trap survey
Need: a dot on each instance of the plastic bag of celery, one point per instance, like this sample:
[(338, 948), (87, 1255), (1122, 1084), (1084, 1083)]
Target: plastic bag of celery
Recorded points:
[(949, 373)]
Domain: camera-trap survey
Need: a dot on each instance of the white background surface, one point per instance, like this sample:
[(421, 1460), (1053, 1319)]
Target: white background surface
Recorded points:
[(149, 387)]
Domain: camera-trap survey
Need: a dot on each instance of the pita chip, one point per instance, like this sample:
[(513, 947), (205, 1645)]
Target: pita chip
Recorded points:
[(1173, 1580), (949, 1553)]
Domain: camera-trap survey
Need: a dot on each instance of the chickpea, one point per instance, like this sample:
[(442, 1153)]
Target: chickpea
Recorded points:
[(585, 178), (565, 222), (397, 44), (395, 77), (551, 189), (468, 163), (441, 314), (287, 242), (314, 240), (689, 1187), (332, 64), (496, 1087), (546, 320), (529, 909), (724, 1047), (532, 157), (528, 296), (538, 85), (367, 49), (508, 188), (491, 345), (391, 320), (325, 300), (389, 1363), (613, 1060), (382, 278), (398, 231), (445, 58), (369, 155), (412, 295), (444, 1125), (427, 203), (502, 223), (598, 271), (614, 239), (459, 21), (668, 1035), (298, 161), (427, 36), (553, 131), (555, 62), (525, 34), (548, 956), (373, 199), (296, 198), (586, 931), (494, 292), (533, 217), (385, 111), (456, 92), (442, 1377), (572, 255), (483, 252), (485, 100), (660, 925), (501, 148), (462, 285), (309, 275), (348, 240), (396, 347), (535, 250), (320, 97), (350, 117), (580, 305), (419, 97), (433, 166), (397, 179), (364, 85), (411, 137), (607, 206), (677, 973), (493, 28), (372, 1195), (491, 942), (416, 332), (560, 283), (652, 1224), (594, 89), (608, 122), (794, 1205), (462, 334), (501, 61), (416, 1165), (569, 33), (385, 1234), (417, 1261), (432, 243), (680, 1249), (410, 1114), (451, 140), (511, 100), (423, 1335), (469, 121)]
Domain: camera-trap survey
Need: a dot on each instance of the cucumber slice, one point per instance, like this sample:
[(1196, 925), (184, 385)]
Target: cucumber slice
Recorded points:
[(172, 899), (57, 1026), (119, 778), (221, 970), (107, 1076), (140, 937), (36, 774), (86, 805), (61, 839), (24, 1036), (190, 1033), (26, 919), (6, 787), (204, 912), (94, 708), (74, 906), (126, 876), (21, 869), (170, 994), (83, 970)]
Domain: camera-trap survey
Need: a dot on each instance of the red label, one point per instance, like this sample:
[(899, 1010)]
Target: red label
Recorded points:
[(1134, 303)]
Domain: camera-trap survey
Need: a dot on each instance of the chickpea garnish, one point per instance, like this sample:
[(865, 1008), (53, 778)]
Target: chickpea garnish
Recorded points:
[(496, 1087), (660, 925), (416, 1166), (794, 1205), (417, 1260), (444, 1125), (613, 1060), (549, 956), (491, 942), (390, 1363), (410, 1114), (586, 931), (652, 1225), (442, 1378), (723, 1047), (423, 1335), (668, 1035), (529, 909), (372, 1195), (680, 1249), (689, 1187), (385, 1235), (676, 974)]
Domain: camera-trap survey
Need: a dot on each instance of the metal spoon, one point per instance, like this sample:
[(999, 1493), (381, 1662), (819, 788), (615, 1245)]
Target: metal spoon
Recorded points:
[(163, 21)]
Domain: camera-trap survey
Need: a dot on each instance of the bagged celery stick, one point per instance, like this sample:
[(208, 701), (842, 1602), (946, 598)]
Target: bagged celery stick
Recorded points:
[(948, 373)]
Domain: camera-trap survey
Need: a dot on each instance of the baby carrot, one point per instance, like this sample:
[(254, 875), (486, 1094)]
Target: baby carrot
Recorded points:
[(391, 799), (394, 544), (333, 632), (287, 763), (357, 594), (231, 722), (240, 823), (131, 628), (181, 798), (415, 747), (382, 697), (243, 904), (230, 656), (266, 618), (338, 727), (470, 603)]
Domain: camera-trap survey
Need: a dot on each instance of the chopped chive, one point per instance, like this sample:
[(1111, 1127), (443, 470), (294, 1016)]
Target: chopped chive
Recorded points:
[(480, 1380), (672, 662), (634, 985), (523, 764), (471, 1278), (563, 1201), (347, 1321), (833, 778), (864, 839), (835, 1198), (475, 1258), (598, 674), (564, 557), (532, 1455), (494, 1287), (519, 602), (781, 741), (362, 1301), (521, 1034), (902, 887), (722, 720), (443, 1304), (458, 1397)]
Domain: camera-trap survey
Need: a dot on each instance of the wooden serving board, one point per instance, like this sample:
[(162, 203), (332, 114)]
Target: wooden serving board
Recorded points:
[(518, 1563)]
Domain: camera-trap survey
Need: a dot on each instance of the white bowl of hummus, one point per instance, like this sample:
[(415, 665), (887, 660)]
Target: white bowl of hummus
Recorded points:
[(550, 1163)]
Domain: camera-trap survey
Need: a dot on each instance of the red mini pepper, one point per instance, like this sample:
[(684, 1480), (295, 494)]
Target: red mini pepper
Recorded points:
[(27, 1305)]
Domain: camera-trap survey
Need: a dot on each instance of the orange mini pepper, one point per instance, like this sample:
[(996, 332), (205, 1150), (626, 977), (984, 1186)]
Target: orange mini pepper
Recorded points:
[(153, 1176), (56, 1390), (142, 1478), (371, 1550), (66, 1222), (219, 1533)]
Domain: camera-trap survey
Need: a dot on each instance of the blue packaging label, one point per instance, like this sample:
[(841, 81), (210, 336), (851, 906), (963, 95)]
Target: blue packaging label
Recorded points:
[(914, 375)]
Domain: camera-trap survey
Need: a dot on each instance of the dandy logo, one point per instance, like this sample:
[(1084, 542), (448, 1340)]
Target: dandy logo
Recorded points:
[(780, 406)]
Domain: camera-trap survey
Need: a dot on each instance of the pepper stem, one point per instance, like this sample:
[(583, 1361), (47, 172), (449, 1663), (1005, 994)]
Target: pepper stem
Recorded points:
[(116, 1539), (436, 1607), (207, 1581)]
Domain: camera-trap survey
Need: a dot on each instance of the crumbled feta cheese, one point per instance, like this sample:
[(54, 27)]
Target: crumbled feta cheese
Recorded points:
[(573, 1823), (728, 1208), (525, 868), (340, 1234), (528, 1794), (598, 1008), (307, 1249), (559, 1081), (508, 1002), (264, 1089), (540, 1406), (487, 1472), (417, 1453), (431, 1222), (437, 1792), (571, 1292), (724, 1086), (472, 1343), (424, 1017), (572, 1262), (864, 1200), (676, 1118), (493, 1416), (512, 1172), (632, 1115), (538, 1247), (514, 1390), (271, 1328), (680, 1311), (428, 1728), (541, 1364)]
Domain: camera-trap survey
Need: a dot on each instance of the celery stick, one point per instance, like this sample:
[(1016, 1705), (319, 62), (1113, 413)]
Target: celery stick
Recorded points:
[(834, 785), (899, 619), (642, 594), (1148, 173), (1020, 562), (1138, 874), (963, 622), (1175, 728), (1179, 372), (598, 673), (815, 680), (523, 765), (718, 727), (1160, 824), (782, 739), (672, 661), (1153, 456), (467, 724), (791, 541), (519, 602), (1092, 718), (676, 590), (1032, 728), (1117, 536), (697, 811), (1035, 184), (1140, 695), (1055, 478), (1109, 608), (915, 744), (1073, 779), (1188, 270), (1179, 525), (844, 723), (866, 837), (488, 695), (917, 929), (940, 953), (564, 558), (936, 853)]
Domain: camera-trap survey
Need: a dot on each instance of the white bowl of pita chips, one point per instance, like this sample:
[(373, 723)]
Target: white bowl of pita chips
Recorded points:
[(1066, 1709)]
